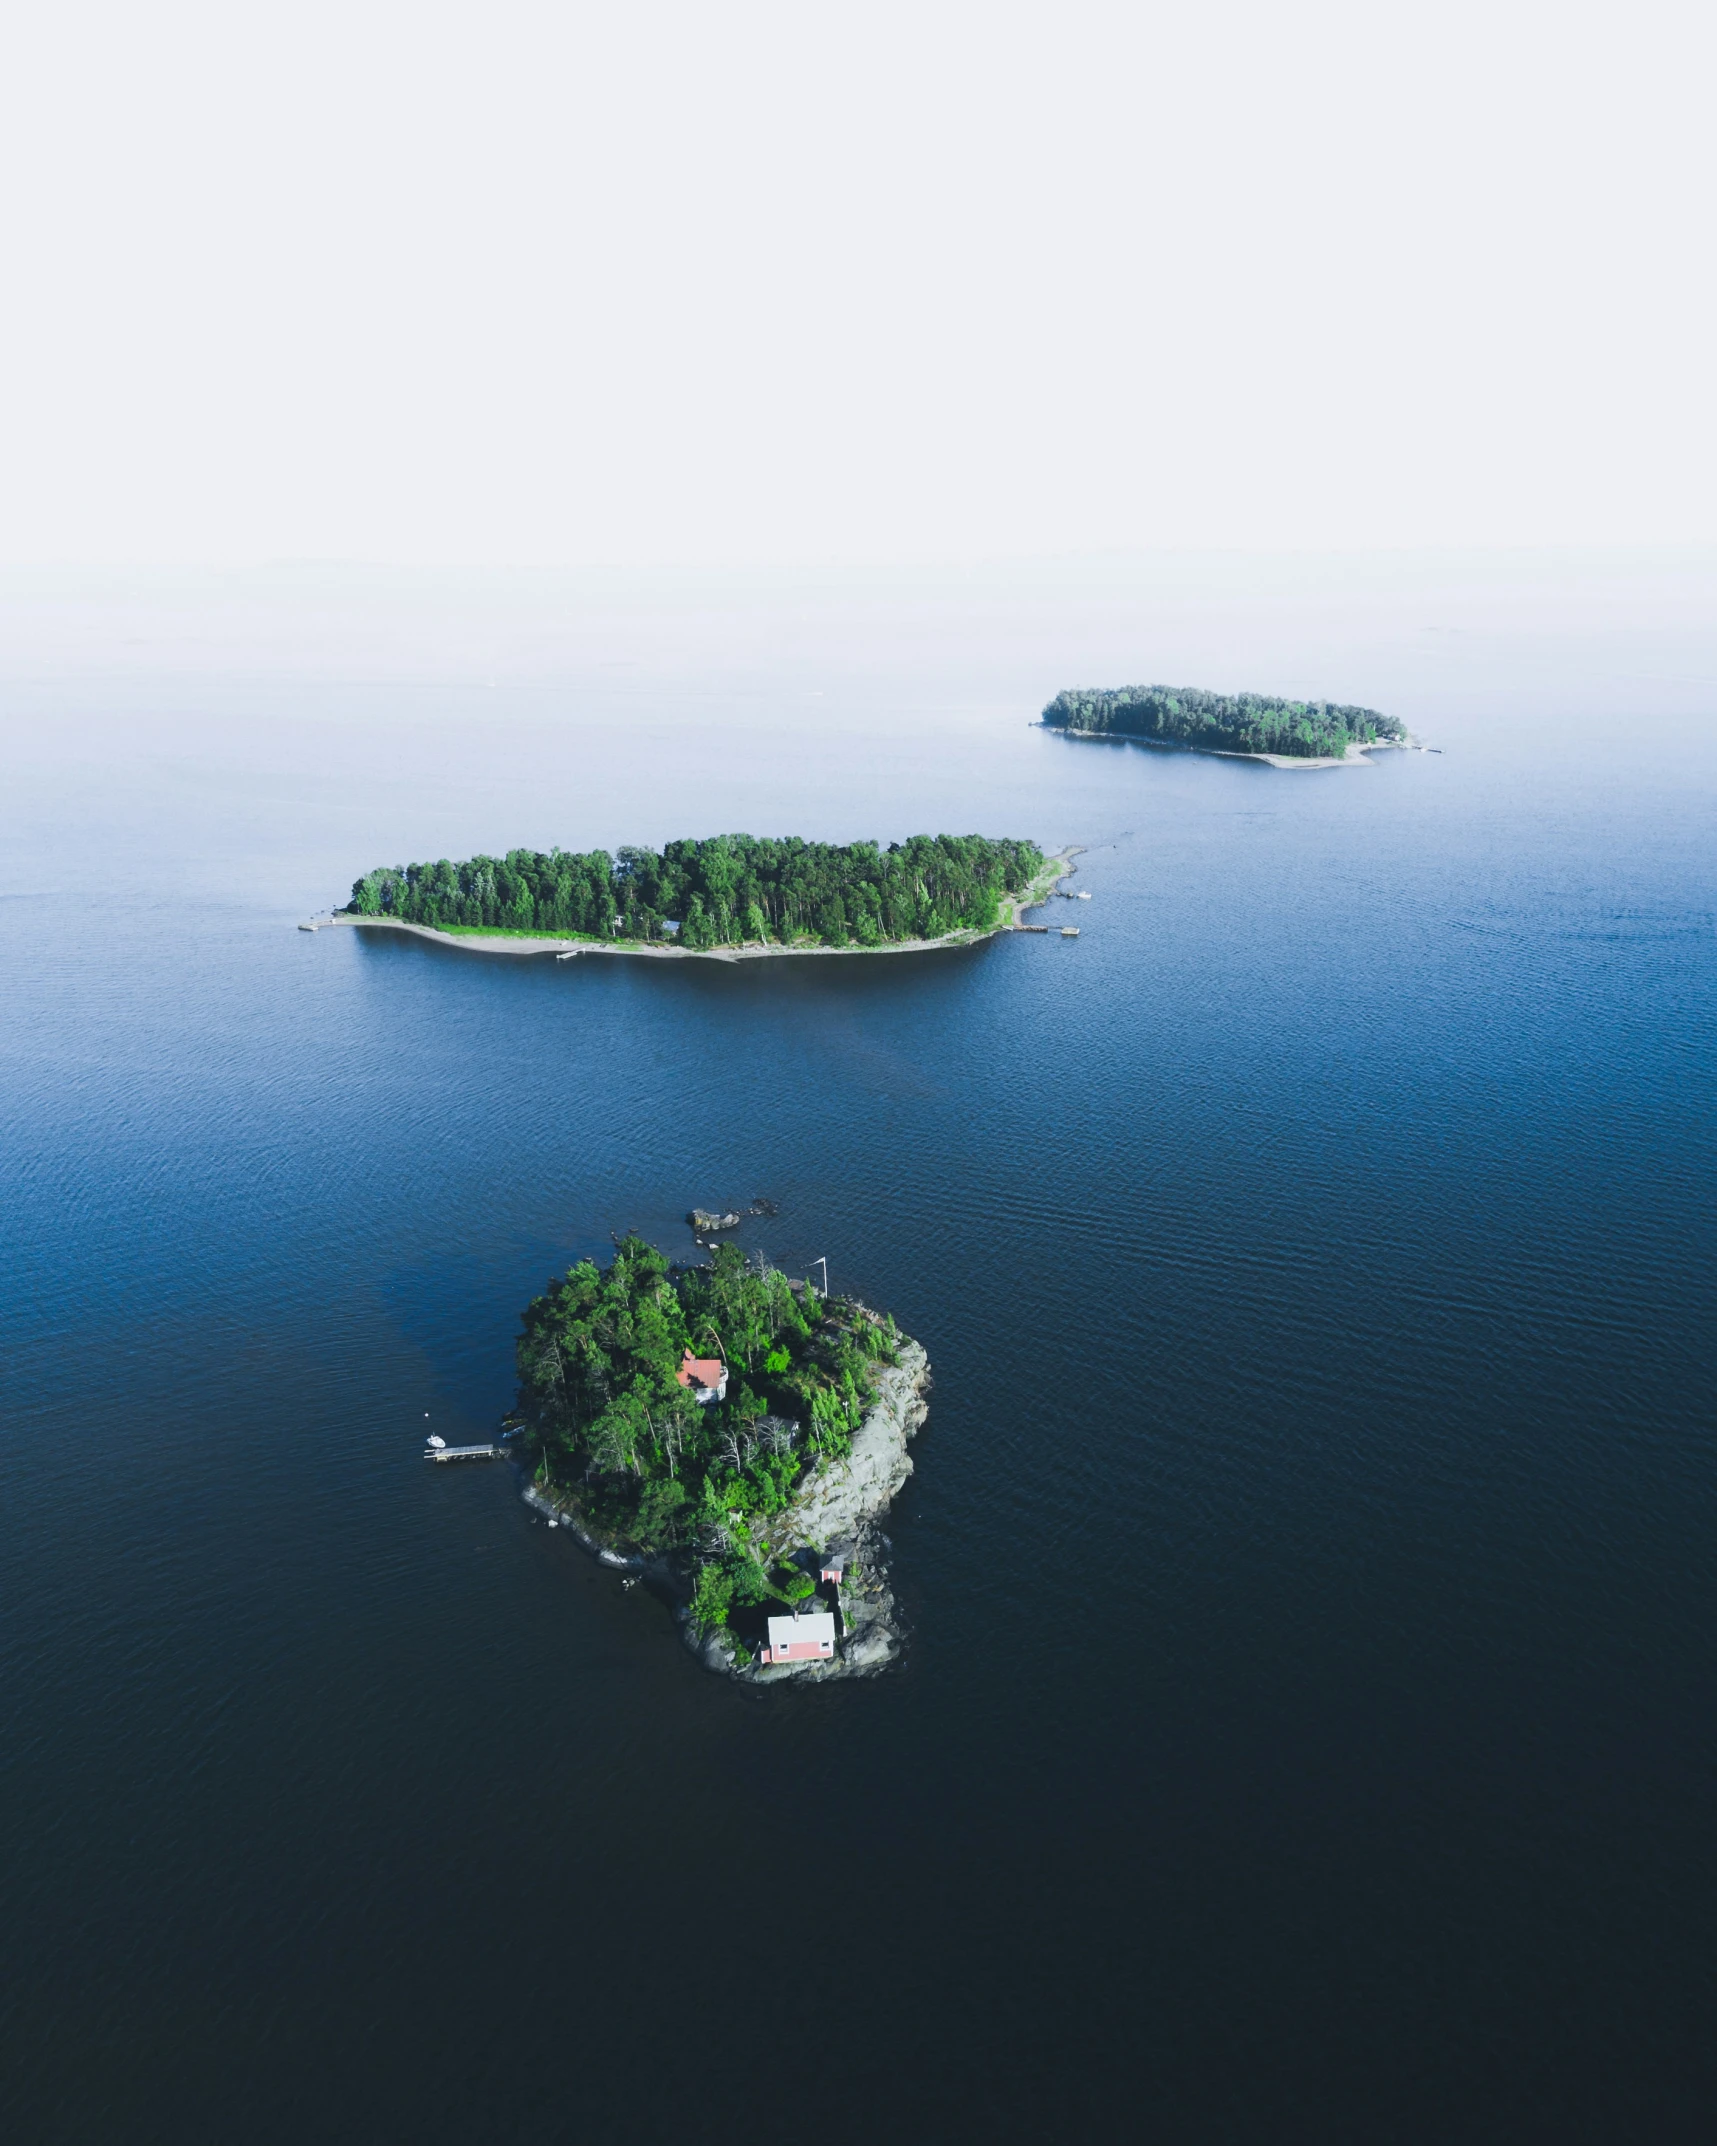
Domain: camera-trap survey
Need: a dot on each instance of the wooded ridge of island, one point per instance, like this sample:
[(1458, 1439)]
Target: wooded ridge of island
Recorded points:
[(728, 891), (1223, 722), (733, 1435)]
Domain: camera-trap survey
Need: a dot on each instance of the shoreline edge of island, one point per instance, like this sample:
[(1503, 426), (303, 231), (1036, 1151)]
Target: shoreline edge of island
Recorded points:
[(1357, 754), (1057, 866)]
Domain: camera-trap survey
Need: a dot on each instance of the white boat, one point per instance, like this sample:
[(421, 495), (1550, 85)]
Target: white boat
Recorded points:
[(438, 1444)]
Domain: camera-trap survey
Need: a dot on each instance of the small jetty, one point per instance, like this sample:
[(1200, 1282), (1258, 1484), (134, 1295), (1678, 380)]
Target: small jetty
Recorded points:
[(463, 1453), (1031, 927)]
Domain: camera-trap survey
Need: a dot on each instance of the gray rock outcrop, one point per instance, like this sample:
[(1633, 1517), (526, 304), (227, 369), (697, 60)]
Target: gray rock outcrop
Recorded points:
[(703, 1221), (839, 1498)]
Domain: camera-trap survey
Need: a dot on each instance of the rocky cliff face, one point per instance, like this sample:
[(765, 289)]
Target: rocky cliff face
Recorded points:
[(841, 1502), (838, 1498)]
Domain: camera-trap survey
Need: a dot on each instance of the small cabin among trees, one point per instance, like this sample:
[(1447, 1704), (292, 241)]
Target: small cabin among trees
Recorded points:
[(705, 1376)]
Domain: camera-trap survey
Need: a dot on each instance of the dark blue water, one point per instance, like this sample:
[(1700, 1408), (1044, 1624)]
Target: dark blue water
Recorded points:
[(1307, 1729)]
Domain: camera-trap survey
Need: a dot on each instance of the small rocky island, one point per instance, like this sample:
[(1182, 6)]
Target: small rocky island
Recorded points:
[(733, 1438), (1259, 726)]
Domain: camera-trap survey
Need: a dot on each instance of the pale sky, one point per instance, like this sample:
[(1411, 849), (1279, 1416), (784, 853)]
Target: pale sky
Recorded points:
[(516, 282)]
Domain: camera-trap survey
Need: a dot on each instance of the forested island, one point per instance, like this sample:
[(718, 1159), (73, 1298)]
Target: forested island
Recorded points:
[(731, 891), (729, 1431), (1223, 722)]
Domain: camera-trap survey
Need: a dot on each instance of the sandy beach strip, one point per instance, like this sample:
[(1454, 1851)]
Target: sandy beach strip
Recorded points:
[(1356, 755)]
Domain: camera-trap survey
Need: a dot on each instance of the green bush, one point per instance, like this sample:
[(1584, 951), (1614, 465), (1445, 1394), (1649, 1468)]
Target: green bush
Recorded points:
[(711, 1597)]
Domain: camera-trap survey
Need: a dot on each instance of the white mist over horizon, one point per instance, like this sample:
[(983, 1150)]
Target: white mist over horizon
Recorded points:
[(786, 285)]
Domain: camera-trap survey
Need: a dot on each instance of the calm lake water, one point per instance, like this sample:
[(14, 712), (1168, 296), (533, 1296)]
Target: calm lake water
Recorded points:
[(1307, 1727)]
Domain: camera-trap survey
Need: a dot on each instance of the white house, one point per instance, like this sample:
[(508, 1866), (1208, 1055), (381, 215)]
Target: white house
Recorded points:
[(806, 1638)]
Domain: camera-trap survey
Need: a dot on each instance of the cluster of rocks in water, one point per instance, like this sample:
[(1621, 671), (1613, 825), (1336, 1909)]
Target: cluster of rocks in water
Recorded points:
[(707, 1221), (836, 1512)]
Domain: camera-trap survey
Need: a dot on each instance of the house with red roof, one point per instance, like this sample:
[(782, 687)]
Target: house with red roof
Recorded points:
[(705, 1377)]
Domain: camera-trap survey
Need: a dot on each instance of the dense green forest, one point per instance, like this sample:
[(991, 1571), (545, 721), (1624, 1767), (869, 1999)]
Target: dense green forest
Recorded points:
[(643, 1463), (733, 890), (1222, 722)]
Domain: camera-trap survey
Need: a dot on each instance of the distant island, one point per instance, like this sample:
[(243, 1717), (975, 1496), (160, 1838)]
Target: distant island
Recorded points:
[(1258, 724), (735, 1437), (731, 894)]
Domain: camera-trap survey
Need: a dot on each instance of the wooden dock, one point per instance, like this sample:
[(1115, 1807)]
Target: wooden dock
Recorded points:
[(464, 1453)]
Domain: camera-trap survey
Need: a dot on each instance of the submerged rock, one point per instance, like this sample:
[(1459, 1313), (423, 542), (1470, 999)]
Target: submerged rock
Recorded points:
[(703, 1221)]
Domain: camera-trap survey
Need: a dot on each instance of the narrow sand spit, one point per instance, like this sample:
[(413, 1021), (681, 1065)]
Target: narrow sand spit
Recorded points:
[(1355, 756)]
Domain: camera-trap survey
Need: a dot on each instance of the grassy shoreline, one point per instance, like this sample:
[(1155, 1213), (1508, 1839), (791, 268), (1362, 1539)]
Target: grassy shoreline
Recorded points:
[(498, 939)]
